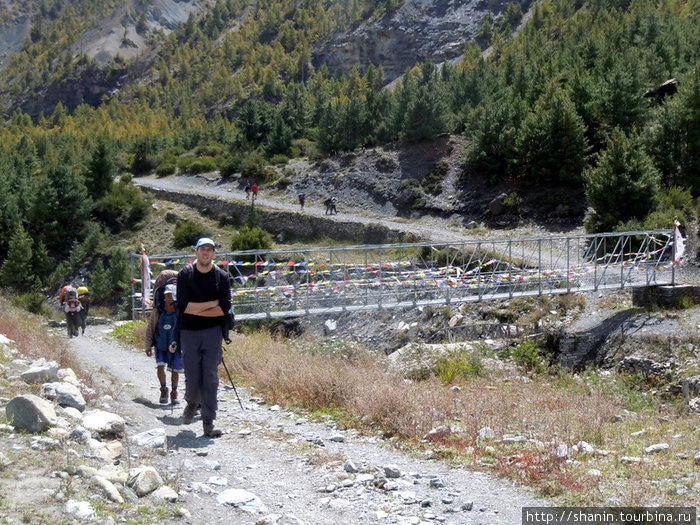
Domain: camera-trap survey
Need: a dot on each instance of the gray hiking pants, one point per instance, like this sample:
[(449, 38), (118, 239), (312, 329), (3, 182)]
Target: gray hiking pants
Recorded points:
[(201, 355)]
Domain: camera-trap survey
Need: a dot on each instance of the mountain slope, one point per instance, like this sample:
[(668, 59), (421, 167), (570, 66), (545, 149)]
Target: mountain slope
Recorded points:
[(85, 53)]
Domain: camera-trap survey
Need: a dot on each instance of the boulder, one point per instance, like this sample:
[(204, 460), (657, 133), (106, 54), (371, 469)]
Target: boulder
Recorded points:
[(31, 413)]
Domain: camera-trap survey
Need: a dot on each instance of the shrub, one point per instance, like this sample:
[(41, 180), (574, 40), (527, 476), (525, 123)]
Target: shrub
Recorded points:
[(166, 168), (432, 182), (194, 165), (212, 149), (279, 159), (254, 168), (528, 354), (411, 195), (251, 238), (123, 207), (33, 302), (187, 232), (459, 365), (513, 203), (230, 166)]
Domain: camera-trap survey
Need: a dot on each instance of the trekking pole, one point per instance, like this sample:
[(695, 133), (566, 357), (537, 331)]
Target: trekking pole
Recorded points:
[(234, 386)]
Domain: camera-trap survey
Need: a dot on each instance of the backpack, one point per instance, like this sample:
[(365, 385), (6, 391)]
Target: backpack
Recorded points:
[(159, 294), (84, 296), (165, 330), (71, 293)]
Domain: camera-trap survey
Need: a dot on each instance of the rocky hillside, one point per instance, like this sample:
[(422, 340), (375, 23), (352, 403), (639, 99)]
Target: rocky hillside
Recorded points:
[(122, 40), (418, 30)]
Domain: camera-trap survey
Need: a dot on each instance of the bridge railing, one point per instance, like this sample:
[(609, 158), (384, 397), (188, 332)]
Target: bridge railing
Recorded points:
[(325, 280)]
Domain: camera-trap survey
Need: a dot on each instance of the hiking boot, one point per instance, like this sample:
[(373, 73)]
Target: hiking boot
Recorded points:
[(209, 430), (188, 413), (173, 398), (163, 395)]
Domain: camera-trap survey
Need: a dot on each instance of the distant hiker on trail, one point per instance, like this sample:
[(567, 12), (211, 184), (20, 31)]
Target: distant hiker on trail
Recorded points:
[(247, 189), (161, 332), (71, 306), (334, 202), (327, 203), (84, 298), (254, 190), (302, 200), (204, 298)]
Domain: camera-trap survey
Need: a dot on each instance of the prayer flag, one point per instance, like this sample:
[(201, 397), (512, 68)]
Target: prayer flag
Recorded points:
[(145, 278), (678, 242)]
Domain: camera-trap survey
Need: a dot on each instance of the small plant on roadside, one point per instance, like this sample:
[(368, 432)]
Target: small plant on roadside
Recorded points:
[(528, 355), (685, 303), (459, 366), (513, 203), (33, 302), (131, 333)]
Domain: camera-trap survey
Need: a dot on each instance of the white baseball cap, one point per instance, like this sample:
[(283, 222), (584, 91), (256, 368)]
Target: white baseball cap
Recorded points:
[(171, 289), (206, 240)]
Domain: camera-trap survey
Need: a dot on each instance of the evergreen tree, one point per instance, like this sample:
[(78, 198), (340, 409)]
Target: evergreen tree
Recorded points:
[(330, 128), (493, 134), (296, 109), (623, 185), (10, 214), (100, 171), (17, 271), (551, 145), (673, 137), (354, 125), (279, 140), (255, 121), (63, 208)]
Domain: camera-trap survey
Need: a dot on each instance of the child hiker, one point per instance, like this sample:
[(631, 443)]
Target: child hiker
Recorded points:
[(160, 334)]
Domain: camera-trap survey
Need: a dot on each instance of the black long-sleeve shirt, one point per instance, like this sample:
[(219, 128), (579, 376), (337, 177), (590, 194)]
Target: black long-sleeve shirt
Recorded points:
[(195, 286)]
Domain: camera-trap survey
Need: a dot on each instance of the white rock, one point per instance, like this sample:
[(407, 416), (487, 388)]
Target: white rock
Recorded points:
[(165, 493), (108, 488), (487, 433), (80, 509), (241, 499), (584, 448), (657, 447), (154, 438)]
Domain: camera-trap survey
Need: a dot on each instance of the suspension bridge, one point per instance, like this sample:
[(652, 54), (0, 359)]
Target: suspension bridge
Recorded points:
[(296, 282)]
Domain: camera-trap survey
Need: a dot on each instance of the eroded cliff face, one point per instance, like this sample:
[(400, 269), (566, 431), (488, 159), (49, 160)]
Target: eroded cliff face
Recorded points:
[(118, 34), (13, 32), (419, 30)]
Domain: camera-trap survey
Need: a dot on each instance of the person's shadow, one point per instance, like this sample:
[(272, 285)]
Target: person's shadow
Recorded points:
[(185, 438)]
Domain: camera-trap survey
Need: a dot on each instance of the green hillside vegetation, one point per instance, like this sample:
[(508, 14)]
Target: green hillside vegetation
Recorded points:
[(560, 104)]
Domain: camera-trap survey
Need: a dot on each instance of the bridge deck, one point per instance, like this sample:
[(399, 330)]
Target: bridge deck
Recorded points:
[(333, 280)]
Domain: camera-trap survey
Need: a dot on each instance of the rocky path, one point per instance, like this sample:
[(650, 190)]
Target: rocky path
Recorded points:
[(273, 466)]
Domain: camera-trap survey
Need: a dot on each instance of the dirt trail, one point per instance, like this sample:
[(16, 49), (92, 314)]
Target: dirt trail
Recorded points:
[(294, 466), (432, 228)]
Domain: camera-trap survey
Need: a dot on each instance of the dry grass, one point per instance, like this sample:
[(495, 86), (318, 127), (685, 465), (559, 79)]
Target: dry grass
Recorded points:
[(549, 410), (32, 339), (359, 388)]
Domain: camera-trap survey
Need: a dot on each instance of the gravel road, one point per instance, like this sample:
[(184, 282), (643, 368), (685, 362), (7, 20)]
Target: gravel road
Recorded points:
[(427, 227), (296, 468)]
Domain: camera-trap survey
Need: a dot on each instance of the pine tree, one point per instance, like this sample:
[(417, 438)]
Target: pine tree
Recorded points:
[(623, 185), (100, 170), (551, 145), (17, 271)]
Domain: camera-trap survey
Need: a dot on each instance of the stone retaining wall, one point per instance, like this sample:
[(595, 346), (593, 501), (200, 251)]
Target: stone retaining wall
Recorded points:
[(287, 226), (666, 296)]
